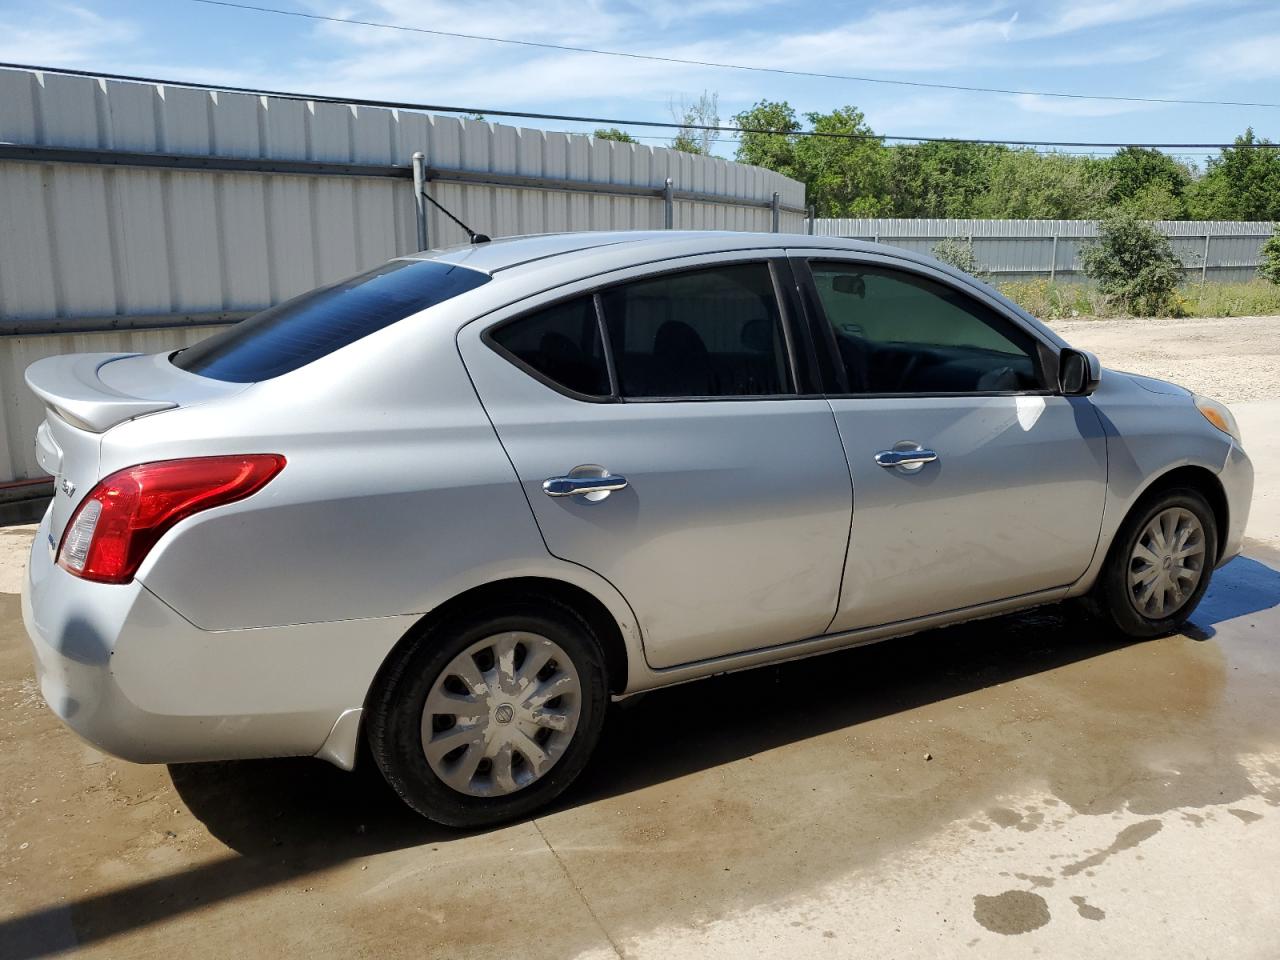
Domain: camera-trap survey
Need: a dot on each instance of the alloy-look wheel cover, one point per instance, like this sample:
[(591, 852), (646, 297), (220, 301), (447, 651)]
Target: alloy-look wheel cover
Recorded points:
[(501, 713), (1167, 563)]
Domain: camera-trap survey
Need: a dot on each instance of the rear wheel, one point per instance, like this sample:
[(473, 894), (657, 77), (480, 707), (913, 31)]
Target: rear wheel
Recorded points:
[(487, 717), (1159, 565)]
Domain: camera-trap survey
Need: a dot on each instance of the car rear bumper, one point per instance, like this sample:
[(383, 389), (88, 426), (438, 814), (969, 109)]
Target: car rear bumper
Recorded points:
[(1237, 483), (133, 677)]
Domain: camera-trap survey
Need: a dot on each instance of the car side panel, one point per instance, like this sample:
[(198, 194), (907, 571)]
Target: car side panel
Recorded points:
[(732, 533), (1149, 434), (396, 497)]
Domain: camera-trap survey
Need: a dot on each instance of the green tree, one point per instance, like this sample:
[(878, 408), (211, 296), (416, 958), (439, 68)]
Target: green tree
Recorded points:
[(1243, 183), (939, 179), (844, 176), (1269, 265), (1156, 177), (1024, 184), (613, 133), (1154, 201), (770, 140), (1134, 265)]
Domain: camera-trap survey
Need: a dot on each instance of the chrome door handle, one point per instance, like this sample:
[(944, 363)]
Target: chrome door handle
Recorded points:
[(576, 486), (914, 458)]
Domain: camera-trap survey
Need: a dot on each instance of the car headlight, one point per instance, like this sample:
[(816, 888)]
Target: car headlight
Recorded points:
[(1218, 414)]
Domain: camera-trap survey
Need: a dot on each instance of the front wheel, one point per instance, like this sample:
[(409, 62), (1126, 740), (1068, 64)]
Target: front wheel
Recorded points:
[(1159, 565), (487, 717)]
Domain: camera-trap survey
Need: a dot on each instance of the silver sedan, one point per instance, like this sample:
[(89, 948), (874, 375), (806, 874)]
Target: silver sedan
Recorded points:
[(455, 504)]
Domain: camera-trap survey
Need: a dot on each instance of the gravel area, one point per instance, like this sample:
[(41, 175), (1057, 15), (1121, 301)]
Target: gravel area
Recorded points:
[(1231, 359)]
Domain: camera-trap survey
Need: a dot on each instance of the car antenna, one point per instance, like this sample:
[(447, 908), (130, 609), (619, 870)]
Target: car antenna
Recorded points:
[(474, 237)]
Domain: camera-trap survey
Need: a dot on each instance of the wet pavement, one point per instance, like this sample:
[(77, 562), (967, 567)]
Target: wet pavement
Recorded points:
[(1019, 785)]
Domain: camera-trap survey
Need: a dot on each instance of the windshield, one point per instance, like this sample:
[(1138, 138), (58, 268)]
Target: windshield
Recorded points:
[(315, 324)]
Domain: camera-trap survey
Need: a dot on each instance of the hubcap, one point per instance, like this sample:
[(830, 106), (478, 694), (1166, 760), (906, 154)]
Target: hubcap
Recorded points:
[(501, 714), (1167, 563)]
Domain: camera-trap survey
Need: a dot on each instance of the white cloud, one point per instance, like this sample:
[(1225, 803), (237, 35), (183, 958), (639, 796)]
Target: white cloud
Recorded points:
[(81, 38), (1255, 59)]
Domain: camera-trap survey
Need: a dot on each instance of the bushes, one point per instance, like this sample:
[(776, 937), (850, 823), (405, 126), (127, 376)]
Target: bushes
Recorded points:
[(1134, 266), (958, 253), (1063, 300), (1269, 265)]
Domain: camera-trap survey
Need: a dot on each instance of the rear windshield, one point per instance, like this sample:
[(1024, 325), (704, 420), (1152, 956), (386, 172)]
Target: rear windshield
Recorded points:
[(314, 324)]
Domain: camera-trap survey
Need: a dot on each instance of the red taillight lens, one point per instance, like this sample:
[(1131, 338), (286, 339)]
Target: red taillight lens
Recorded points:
[(122, 517)]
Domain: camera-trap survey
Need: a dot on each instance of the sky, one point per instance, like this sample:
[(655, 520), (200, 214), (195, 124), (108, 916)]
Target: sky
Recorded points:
[(1197, 49)]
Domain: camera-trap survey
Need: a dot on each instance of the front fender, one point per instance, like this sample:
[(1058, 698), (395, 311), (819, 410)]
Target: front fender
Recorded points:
[(1152, 428)]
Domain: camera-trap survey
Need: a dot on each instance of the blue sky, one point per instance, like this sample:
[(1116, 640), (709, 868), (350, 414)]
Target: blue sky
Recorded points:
[(1201, 49)]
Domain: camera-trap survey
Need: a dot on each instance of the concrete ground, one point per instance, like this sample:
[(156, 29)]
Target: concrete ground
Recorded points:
[(1015, 787)]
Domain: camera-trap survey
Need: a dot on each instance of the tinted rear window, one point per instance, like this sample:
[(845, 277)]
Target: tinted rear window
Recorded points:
[(314, 324), (561, 343), (714, 332)]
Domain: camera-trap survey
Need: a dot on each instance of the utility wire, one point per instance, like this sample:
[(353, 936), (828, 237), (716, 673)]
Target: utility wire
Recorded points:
[(568, 48), (615, 122)]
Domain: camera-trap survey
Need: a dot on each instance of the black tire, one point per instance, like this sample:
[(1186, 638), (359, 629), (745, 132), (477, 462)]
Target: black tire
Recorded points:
[(1110, 600), (397, 701)]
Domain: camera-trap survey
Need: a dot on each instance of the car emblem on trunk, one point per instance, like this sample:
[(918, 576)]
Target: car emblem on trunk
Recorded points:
[(67, 486)]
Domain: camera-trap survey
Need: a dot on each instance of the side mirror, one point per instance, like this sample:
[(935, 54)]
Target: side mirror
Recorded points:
[(1078, 372)]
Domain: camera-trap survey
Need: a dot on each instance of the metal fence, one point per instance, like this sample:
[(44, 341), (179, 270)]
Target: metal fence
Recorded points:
[(134, 216), (1023, 249)]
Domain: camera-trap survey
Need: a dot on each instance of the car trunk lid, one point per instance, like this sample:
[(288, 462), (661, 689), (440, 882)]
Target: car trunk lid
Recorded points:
[(85, 395)]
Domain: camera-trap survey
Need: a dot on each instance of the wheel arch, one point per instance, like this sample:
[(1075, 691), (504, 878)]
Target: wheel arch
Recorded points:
[(597, 615), (1205, 482)]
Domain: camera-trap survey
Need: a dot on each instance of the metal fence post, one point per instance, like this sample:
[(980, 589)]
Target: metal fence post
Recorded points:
[(1053, 263), (419, 188), (813, 212), (1204, 264), (668, 205), (775, 206)]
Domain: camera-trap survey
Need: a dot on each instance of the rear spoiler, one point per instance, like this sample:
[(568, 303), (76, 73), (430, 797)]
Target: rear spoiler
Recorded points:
[(70, 386)]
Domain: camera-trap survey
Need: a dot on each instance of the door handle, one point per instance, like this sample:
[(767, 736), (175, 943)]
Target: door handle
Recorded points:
[(578, 486), (910, 458)]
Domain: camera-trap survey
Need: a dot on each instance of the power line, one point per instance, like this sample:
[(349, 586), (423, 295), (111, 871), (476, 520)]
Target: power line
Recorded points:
[(568, 48), (614, 121)]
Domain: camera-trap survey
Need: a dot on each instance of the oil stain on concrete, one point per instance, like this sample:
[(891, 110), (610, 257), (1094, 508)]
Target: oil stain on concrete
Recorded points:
[(1086, 910), (1126, 839), (1012, 912)]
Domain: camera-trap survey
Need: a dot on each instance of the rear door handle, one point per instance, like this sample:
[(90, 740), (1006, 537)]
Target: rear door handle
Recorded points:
[(577, 486), (911, 458)]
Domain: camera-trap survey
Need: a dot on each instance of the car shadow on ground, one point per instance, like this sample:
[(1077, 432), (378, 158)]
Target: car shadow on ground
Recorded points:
[(285, 819)]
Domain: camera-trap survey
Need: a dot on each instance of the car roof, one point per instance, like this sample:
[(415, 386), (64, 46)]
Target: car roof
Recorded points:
[(508, 252), (544, 260)]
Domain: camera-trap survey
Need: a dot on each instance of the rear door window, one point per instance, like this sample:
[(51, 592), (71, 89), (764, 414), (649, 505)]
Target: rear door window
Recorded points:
[(560, 345), (712, 332), (308, 327)]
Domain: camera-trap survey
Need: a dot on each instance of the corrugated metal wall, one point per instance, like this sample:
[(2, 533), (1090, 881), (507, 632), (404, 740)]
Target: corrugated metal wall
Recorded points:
[(87, 241), (1018, 249)]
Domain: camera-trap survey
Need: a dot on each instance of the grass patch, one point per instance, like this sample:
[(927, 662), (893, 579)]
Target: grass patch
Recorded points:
[(1060, 301)]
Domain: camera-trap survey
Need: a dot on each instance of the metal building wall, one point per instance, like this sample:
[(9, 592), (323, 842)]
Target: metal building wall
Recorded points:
[(95, 246), (1022, 249)]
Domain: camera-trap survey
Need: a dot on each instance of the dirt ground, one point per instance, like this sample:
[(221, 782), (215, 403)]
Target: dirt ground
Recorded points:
[(1007, 788), (1232, 359)]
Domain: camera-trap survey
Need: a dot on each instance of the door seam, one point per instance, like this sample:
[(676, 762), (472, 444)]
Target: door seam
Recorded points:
[(853, 505)]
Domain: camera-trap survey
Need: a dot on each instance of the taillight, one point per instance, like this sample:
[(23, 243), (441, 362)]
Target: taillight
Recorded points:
[(121, 518)]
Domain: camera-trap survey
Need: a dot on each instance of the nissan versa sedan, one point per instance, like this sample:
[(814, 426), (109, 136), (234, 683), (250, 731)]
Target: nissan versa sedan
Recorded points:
[(455, 505)]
